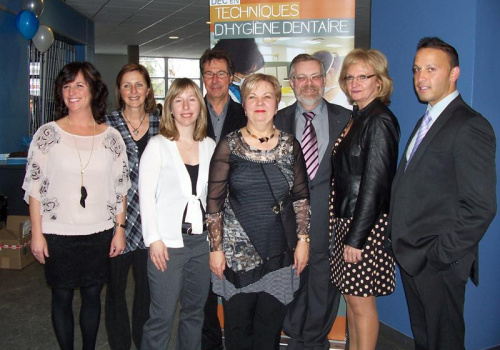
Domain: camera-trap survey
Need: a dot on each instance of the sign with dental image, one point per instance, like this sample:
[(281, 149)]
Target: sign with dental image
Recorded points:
[(264, 36)]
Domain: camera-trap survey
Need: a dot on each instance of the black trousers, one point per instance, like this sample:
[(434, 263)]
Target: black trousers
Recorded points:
[(436, 305), (253, 321), (116, 313), (314, 308), (211, 337)]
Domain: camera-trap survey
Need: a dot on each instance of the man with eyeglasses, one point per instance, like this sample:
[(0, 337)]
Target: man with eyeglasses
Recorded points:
[(316, 124), (224, 116), (217, 69)]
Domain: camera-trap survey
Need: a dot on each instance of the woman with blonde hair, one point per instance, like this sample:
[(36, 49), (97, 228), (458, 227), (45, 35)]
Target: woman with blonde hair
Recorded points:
[(258, 221), (364, 162), (173, 180)]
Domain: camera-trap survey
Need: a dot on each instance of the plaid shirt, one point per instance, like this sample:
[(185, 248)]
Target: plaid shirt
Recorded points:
[(133, 232)]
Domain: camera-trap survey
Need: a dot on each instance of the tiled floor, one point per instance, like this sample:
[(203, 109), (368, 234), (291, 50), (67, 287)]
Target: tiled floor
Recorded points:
[(25, 322)]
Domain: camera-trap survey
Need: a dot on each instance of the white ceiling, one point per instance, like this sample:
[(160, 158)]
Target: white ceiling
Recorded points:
[(149, 24)]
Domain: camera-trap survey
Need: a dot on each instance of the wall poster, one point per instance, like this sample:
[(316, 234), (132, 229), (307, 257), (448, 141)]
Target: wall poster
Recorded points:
[(265, 35)]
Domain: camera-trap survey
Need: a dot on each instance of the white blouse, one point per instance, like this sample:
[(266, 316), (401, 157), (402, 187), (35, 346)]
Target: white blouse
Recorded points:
[(53, 178), (165, 190)]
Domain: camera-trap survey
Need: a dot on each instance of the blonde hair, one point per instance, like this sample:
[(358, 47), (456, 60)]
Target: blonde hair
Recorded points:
[(374, 59), (250, 82), (167, 122)]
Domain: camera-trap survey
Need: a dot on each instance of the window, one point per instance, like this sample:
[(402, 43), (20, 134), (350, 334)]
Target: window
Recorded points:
[(176, 68), (44, 68)]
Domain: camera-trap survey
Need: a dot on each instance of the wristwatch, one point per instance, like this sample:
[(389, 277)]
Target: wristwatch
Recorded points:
[(304, 239)]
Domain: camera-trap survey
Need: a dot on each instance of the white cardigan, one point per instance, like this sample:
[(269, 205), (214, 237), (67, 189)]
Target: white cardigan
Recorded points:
[(165, 190)]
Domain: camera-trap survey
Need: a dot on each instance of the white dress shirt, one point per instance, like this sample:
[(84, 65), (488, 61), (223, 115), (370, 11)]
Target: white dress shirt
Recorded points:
[(434, 111)]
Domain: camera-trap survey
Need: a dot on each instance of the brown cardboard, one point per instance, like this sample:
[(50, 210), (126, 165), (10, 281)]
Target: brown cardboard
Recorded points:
[(15, 253), (20, 225)]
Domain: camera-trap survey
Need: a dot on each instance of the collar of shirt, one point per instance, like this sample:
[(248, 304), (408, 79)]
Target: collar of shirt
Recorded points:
[(212, 112), (436, 110), (218, 120), (320, 123)]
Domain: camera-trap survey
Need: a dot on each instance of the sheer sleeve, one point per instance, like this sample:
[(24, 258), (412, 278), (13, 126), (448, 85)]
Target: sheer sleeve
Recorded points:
[(217, 193), (300, 191)]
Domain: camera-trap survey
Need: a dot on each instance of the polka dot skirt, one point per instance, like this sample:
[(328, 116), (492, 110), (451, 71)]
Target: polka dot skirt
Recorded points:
[(374, 274)]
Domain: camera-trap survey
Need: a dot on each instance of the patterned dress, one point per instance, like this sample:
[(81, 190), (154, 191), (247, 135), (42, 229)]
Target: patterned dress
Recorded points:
[(374, 275), (245, 184)]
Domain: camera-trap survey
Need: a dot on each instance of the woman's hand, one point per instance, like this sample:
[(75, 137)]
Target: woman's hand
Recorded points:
[(352, 255), (218, 263), (118, 242), (39, 247), (301, 256), (159, 255), (38, 243)]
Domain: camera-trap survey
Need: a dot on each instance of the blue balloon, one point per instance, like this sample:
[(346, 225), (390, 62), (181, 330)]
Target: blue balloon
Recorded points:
[(27, 24)]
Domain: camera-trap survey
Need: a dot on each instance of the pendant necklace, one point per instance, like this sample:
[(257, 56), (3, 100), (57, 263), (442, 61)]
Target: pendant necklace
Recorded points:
[(83, 190), (264, 138), (135, 131)]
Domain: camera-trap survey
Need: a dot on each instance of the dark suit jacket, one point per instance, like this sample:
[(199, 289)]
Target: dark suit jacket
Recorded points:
[(443, 203), (235, 119), (319, 187)]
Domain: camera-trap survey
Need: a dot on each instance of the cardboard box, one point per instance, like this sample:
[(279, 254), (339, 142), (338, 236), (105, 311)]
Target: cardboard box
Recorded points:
[(15, 239), (20, 225), (15, 253)]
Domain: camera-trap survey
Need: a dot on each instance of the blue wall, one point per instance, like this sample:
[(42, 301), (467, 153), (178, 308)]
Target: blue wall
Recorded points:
[(14, 87), (471, 26)]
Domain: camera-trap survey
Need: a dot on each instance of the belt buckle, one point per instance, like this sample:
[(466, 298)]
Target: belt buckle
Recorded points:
[(189, 230)]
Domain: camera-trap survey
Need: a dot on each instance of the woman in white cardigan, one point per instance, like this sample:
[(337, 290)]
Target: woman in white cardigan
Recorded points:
[(173, 177)]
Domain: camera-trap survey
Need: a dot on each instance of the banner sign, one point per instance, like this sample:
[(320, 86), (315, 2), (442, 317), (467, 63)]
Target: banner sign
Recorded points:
[(265, 35)]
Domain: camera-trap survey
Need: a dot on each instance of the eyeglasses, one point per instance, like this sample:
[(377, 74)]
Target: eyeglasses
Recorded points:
[(220, 74), (303, 78), (362, 77)]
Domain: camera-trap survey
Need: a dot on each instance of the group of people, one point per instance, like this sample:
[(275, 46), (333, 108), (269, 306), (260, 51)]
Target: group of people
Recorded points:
[(277, 212)]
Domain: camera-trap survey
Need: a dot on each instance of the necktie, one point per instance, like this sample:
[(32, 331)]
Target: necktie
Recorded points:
[(422, 131), (310, 146)]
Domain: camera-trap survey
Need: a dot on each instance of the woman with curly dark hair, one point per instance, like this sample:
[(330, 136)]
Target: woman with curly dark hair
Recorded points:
[(76, 185)]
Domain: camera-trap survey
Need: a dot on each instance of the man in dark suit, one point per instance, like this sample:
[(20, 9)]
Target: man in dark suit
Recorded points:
[(443, 200), (224, 116), (314, 308)]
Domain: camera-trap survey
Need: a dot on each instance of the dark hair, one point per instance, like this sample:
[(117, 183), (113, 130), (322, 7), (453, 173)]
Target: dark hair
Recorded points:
[(150, 103), (167, 123), (216, 54), (304, 57), (245, 53), (159, 108), (98, 89), (438, 44)]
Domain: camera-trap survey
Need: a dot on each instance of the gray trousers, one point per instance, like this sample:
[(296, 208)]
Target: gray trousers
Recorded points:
[(187, 278)]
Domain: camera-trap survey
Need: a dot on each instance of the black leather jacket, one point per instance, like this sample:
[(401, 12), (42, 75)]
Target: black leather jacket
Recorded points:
[(363, 168)]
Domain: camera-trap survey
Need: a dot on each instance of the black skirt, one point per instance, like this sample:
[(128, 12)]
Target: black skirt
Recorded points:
[(78, 261)]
